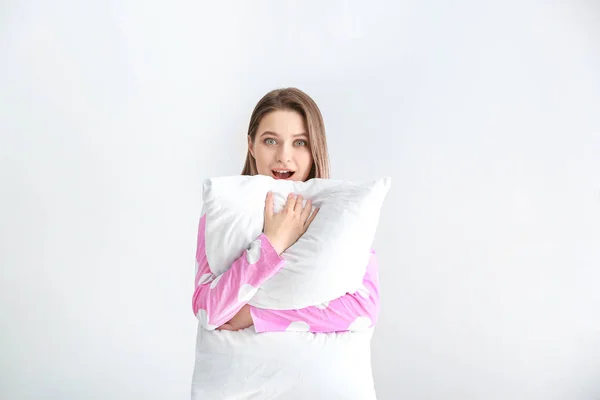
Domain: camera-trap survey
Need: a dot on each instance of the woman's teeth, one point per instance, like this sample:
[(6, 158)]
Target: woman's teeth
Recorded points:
[(282, 174)]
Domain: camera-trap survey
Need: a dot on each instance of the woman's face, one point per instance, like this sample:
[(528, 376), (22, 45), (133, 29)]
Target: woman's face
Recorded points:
[(281, 147)]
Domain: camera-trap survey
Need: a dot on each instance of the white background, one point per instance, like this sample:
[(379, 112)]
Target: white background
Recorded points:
[(485, 114)]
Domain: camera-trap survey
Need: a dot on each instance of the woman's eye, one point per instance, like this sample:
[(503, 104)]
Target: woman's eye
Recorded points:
[(301, 143), (269, 141)]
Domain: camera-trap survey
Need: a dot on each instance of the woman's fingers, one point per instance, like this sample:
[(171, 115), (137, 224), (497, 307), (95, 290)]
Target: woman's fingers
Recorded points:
[(306, 211), (269, 204), (298, 205), (294, 204), (291, 202), (311, 218), (226, 327)]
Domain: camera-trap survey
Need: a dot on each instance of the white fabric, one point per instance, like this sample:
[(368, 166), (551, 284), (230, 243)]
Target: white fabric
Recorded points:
[(286, 366), (327, 262)]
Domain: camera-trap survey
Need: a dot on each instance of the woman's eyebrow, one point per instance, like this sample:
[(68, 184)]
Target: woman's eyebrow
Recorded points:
[(268, 133), (303, 134)]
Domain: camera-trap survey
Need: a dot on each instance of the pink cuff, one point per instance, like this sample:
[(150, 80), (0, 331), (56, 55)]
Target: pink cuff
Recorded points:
[(269, 253), (259, 324)]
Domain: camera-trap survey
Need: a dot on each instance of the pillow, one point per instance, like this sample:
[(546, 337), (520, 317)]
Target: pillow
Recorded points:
[(327, 262)]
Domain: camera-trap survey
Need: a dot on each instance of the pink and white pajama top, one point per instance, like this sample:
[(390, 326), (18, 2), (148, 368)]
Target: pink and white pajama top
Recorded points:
[(216, 299)]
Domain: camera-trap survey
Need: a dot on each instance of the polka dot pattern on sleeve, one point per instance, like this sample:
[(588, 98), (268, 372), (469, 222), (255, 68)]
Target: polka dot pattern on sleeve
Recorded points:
[(323, 306), (214, 283), (253, 253), (298, 326), (360, 324), (363, 291), (205, 278), (246, 292), (203, 318)]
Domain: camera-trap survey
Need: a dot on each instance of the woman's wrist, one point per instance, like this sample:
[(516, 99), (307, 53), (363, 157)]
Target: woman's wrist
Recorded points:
[(275, 244)]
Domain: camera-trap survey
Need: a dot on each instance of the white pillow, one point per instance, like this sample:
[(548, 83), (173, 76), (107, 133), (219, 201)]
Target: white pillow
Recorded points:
[(328, 261)]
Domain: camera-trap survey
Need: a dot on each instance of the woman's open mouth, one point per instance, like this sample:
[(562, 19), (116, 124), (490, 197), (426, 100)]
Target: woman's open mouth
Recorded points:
[(282, 173)]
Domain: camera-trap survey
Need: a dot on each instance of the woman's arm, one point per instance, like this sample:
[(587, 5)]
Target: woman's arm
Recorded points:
[(351, 312), (217, 299)]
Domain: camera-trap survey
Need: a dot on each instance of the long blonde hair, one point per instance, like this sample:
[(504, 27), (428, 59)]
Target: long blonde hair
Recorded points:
[(296, 100)]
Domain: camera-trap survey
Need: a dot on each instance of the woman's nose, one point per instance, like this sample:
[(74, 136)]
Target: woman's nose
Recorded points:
[(284, 154)]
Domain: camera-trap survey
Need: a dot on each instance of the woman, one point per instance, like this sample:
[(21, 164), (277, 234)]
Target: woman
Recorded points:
[(286, 140)]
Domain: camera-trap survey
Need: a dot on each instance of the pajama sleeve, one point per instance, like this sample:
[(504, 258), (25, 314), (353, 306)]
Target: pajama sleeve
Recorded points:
[(351, 312), (217, 299)]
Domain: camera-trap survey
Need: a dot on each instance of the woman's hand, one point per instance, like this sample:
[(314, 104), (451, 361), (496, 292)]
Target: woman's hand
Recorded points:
[(284, 228), (241, 320)]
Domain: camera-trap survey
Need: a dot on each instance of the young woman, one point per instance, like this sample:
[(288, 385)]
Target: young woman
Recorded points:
[(286, 140)]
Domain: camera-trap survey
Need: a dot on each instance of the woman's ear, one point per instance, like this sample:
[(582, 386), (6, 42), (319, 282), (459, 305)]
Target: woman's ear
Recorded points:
[(251, 146)]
